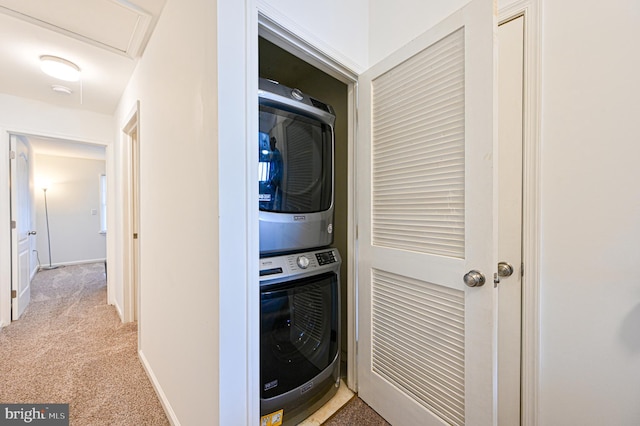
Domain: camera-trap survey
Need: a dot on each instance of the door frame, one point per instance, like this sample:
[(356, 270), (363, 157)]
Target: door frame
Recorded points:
[(131, 216), (272, 26), (5, 230), (269, 28), (5, 213), (530, 362)]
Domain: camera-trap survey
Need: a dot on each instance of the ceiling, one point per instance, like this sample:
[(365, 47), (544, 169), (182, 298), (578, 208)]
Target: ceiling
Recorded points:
[(103, 37)]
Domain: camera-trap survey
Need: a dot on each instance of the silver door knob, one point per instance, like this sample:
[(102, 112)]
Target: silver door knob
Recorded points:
[(474, 279), (504, 270)]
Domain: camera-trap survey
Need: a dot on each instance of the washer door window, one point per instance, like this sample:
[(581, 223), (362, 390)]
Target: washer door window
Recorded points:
[(298, 332)]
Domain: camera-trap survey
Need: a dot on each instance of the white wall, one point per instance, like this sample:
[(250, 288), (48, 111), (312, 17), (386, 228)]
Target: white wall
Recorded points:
[(73, 193), (590, 293), (175, 82), (18, 115), (394, 24), (336, 27), (21, 115)]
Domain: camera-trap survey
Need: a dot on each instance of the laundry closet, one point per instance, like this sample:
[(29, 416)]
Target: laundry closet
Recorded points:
[(282, 303)]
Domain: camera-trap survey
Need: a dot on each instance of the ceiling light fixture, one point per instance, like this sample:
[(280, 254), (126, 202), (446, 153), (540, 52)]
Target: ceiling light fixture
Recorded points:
[(61, 89), (59, 68)]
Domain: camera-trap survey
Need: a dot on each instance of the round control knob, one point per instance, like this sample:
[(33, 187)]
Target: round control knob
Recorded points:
[(303, 261)]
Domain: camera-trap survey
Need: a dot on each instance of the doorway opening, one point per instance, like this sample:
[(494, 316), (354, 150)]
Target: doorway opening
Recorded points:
[(55, 188), (279, 65)]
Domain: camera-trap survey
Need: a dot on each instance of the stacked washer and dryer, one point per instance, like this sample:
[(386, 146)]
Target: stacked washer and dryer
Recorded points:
[(299, 271)]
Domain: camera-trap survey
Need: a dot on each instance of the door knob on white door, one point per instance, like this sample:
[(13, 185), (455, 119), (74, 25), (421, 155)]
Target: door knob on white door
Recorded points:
[(474, 278), (505, 269)]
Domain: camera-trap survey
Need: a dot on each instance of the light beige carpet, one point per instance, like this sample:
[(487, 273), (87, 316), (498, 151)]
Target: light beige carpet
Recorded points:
[(70, 347)]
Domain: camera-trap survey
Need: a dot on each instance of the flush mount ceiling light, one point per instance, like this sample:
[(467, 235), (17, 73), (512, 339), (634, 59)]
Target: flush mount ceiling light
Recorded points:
[(61, 89), (59, 68)]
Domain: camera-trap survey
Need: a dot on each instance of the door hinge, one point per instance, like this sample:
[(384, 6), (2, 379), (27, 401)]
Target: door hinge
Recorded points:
[(135, 235), (14, 294), (522, 269), (13, 224), (12, 155)]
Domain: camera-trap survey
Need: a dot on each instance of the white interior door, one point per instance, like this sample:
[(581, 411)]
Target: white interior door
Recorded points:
[(426, 213), (21, 216)]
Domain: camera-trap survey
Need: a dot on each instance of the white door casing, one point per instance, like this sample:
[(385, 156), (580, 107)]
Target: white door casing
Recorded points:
[(131, 225), (510, 135), (426, 203), (20, 235), (135, 221)]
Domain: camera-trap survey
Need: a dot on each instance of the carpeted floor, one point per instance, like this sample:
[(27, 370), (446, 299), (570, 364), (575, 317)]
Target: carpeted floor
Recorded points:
[(70, 347), (356, 413)]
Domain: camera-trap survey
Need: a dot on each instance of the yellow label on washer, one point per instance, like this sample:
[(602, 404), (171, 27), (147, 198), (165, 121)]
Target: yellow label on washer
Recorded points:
[(273, 419)]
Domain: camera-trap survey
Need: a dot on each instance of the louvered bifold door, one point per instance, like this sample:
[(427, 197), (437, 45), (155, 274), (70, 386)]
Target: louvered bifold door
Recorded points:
[(425, 176)]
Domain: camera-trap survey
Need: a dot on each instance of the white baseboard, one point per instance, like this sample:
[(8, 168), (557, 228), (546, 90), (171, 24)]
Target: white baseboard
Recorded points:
[(119, 311), (76, 262), (171, 415)]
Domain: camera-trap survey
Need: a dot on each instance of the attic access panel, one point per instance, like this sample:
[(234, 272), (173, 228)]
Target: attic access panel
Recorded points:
[(117, 25)]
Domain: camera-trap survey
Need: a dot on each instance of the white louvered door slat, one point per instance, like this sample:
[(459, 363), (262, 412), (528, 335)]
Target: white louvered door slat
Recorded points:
[(430, 108), (426, 346)]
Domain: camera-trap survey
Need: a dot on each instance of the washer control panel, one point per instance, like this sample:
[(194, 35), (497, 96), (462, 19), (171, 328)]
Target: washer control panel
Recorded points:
[(293, 265)]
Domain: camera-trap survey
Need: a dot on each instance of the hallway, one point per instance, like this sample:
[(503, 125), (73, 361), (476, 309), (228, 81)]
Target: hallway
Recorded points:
[(71, 347)]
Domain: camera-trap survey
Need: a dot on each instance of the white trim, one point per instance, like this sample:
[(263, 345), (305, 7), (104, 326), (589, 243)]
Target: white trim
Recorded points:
[(251, 201), (119, 311), (237, 328), (289, 40), (79, 262), (171, 415), (53, 135), (5, 231), (111, 250), (130, 128), (530, 9), (352, 237), (303, 44)]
